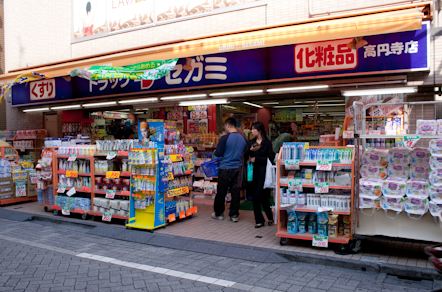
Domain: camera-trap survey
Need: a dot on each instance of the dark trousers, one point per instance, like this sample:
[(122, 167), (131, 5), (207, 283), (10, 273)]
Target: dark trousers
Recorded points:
[(228, 179), (261, 202)]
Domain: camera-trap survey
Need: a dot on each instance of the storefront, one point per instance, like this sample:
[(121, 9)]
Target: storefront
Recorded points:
[(289, 87)]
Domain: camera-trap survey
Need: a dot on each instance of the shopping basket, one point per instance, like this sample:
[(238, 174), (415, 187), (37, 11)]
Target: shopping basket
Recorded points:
[(210, 168)]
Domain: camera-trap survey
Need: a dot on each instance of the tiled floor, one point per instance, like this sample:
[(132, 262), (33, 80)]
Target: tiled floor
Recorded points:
[(243, 232)]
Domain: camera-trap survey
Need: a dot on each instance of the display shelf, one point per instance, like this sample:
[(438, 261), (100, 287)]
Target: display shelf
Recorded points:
[(99, 214), (79, 174), (312, 186), (313, 163), (369, 136), (282, 210), (73, 211), (78, 157), (308, 236), (15, 200), (310, 210), (118, 193)]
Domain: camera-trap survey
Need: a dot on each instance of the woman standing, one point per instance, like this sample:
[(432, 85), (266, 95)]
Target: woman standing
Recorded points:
[(259, 150)]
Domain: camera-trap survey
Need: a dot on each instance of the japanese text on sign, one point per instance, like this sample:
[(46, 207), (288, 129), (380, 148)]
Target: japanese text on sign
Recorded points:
[(387, 49), (43, 89), (325, 56), (320, 240), (72, 173), (322, 188), (113, 174), (324, 165)]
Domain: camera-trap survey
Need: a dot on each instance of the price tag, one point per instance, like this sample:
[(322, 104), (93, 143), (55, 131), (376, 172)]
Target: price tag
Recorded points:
[(322, 188), (170, 176), (110, 194), (175, 158), (348, 134), (111, 155), (72, 173), (178, 191), (171, 217), (61, 189), (295, 185), (182, 215), (71, 192), (189, 212), (411, 140), (107, 216), (65, 212), (112, 174), (72, 157), (320, 241), (291, 164), (324, 165)]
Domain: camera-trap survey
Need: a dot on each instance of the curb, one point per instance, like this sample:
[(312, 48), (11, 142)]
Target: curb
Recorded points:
[(230, 250)]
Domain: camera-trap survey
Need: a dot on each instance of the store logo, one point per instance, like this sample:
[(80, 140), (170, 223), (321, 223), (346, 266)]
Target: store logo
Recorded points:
[(146, 84)]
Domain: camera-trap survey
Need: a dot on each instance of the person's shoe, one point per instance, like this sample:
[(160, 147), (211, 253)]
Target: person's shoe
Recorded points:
[(221, 217), (259, 225), (234, 219), (270, 223)]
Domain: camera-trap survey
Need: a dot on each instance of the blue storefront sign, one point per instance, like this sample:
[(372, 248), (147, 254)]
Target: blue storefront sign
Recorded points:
[(378, 54)]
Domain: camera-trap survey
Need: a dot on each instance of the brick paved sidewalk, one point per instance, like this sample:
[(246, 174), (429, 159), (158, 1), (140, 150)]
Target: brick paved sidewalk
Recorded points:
[(43, 256), (243, 233)]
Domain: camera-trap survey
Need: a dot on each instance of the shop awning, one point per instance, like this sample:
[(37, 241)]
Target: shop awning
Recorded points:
[(356, 26)]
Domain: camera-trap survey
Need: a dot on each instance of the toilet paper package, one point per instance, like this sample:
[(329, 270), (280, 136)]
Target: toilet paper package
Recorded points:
[(393, 204), (419, 171), (416, 206), (419, 155), (370, 187), (436, 194), (436, 161), (398, 171), (374, 172), (417, 187), (426, 127), (394, 188), (436, 177), (436, 147), (369, 202), (399, 156), (439, 127), (375, 157)]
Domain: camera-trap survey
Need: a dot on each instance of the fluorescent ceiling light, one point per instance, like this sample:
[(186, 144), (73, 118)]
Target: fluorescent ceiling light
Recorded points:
[(319, 101), (39, 109), (271, 102), (66, 107), (331, 104), (138, 100), (291, 106), (95, 104), (242, 92), (253, 104), (392, 90), (177, 97), (203, 102), (230, 107), (298, 88)]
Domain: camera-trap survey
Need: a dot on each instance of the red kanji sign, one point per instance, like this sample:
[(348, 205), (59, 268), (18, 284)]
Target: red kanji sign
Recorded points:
[(325, 56), (42, 89)]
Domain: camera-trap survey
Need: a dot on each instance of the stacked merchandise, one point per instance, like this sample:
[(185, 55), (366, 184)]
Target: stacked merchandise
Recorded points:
[(316, 187), (395, 179), (6, 185), (180, 169), (435, 189), (73, 203), (114, 207)]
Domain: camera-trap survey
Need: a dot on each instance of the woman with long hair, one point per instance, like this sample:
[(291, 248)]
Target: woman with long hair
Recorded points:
[(259, 150)]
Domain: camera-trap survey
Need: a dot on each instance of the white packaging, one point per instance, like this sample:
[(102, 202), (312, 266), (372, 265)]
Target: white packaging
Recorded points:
[(420, 155), (399, 156), (436, 177), (439, 127), (426, 127), (416, 206), (375, 157), (436, 194), (393, 204), (393, 188), (419, 171), (373, 172), (369, 202), (417, 186), (398, 171), (436, 161), (436, 147)]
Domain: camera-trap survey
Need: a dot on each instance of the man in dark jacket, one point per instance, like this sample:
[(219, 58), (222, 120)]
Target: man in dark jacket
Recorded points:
[(230, 149)]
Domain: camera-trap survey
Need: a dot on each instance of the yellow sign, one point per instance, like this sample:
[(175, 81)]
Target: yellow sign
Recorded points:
[(178, 191), (112, 174), (170, 176), (72, 173), (176, 157)]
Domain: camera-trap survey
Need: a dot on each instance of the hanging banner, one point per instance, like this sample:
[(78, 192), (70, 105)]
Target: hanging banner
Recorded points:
[(150, 70), (381, 54)]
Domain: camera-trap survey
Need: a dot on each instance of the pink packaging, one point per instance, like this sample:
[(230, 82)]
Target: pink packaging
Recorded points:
[(426, 127)]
